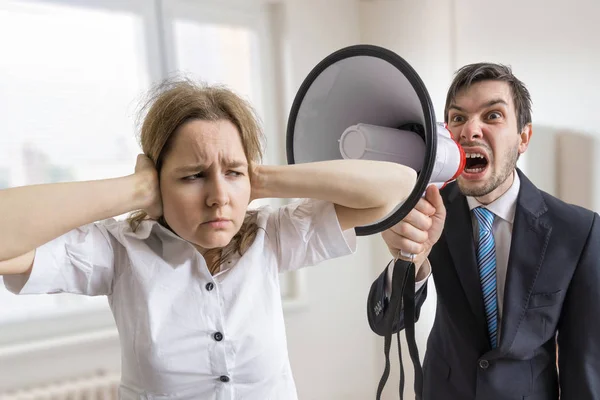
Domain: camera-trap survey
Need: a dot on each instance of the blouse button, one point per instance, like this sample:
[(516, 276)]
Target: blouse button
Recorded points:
[(210, 286), (218, 336), (224, 378)]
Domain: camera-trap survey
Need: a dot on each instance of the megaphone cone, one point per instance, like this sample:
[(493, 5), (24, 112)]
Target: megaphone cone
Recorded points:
[(367, 102)]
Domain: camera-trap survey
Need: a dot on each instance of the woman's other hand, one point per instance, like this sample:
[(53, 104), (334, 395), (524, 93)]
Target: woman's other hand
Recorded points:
[(149, 188)]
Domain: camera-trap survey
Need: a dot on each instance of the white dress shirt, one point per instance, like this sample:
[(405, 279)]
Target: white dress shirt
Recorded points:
[(504, 210), (184, 333)]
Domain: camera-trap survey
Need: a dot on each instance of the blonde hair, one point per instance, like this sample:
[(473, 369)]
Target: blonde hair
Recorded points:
[(176, 101)]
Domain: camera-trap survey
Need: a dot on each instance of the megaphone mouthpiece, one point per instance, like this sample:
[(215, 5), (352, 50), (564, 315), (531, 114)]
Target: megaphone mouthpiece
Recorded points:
[(450, 158), (372, 142)]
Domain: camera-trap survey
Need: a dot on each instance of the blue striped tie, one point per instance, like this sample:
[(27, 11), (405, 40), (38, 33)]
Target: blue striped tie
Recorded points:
[(486, 259)]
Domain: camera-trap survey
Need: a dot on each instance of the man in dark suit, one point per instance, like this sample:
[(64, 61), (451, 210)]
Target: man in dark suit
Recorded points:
[(517, 271)]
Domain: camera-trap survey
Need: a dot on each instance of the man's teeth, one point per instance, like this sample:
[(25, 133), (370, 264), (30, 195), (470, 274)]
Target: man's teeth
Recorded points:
[(474, 155), (474, 170)]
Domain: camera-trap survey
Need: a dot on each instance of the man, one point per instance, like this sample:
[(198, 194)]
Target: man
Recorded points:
[(517, 271)]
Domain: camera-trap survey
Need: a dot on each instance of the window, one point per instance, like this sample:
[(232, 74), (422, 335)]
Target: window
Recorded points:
[(71, 78), (234, 46), (68, 77)]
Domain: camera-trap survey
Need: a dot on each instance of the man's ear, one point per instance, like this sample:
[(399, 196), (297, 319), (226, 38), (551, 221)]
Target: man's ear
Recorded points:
[(525, 137)]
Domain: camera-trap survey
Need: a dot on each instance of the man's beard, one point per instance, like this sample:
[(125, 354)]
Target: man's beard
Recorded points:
[(496, 179)]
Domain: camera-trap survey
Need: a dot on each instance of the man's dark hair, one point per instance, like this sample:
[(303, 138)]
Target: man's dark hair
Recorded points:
[(473, 73)]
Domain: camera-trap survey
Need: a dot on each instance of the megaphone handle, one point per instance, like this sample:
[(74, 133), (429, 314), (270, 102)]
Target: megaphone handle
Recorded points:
[(410, 256)]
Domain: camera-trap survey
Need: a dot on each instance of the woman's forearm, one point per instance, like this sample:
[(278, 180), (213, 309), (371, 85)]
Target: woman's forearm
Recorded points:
[(33, 215), (358, 184)]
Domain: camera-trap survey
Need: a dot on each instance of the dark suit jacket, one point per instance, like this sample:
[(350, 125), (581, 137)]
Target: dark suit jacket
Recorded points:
[(552, 285)]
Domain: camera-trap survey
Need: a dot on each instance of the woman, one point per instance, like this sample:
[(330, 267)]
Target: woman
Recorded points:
[(192, 275)]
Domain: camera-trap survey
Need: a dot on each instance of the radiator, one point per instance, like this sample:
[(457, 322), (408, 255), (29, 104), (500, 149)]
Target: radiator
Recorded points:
[(103, 386)]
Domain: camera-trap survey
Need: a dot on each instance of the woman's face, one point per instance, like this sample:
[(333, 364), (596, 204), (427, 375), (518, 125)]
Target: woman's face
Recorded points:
[(204, 182)]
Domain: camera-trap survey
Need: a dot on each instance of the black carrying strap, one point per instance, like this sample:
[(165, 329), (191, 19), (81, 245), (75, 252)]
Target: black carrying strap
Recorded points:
[(403, 291)]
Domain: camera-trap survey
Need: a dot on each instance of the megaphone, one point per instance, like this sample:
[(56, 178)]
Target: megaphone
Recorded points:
[(367, 102)]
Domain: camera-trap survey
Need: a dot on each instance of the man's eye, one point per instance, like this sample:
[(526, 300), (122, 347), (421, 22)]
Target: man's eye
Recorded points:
[(456, 118), (494, 115), (195, 176), (235, 173)]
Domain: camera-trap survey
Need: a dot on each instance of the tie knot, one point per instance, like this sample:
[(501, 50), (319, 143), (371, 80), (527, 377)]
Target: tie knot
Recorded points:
[(485, 218)]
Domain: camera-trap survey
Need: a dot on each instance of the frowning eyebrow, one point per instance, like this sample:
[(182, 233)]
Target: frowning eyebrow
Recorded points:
[(201, 167), (485, 105)]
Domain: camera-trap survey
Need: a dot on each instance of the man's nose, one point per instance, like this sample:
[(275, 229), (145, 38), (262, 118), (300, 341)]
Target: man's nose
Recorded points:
[(471, 130)]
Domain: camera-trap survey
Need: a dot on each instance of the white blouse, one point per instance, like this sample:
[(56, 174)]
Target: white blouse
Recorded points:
[(185, 334)]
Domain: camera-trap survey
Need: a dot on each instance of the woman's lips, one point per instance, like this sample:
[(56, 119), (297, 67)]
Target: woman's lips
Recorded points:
[(218, 223)]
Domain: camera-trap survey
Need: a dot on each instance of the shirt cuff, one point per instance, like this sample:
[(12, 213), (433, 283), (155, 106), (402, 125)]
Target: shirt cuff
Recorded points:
[(425, 270)]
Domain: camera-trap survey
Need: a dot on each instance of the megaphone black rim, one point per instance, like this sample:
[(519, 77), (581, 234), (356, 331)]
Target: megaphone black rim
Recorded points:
[(429, 117)]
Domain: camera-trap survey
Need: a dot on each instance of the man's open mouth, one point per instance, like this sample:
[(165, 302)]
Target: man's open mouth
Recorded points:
[(476, 162)]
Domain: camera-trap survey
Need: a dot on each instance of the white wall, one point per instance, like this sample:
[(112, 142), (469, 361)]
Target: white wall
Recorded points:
[(554, 48)]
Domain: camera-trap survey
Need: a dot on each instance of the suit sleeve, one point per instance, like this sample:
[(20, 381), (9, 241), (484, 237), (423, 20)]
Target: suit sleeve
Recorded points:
[(579, 326), (377, 303)]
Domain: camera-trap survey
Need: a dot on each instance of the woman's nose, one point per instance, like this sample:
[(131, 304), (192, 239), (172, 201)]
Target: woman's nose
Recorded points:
[(217, 193)]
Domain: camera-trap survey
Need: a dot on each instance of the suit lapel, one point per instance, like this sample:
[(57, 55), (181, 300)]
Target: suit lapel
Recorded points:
[(530, 237), (459, 236)]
